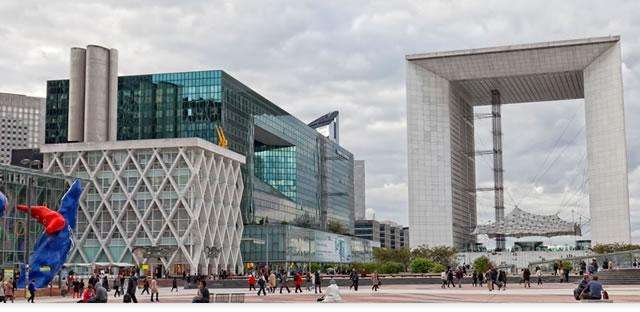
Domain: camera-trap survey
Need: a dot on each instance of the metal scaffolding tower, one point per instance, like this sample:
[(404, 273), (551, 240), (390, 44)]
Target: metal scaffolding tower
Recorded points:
[(497, 164)]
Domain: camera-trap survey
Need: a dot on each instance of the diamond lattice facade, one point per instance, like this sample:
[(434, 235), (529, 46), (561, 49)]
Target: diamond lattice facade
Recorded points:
[(183, 194)]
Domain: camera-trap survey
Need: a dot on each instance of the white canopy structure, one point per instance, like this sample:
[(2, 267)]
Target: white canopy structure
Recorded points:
[(519, 223)]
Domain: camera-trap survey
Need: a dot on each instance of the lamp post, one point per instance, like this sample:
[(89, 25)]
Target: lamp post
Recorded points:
[(29, 164)]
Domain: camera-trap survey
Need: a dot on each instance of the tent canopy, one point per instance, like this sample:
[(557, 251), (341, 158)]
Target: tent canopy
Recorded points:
[(519, 223)]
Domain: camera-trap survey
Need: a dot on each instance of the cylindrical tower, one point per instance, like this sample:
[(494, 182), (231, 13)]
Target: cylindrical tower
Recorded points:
[(96, 96), (76, 95), (113, 95)]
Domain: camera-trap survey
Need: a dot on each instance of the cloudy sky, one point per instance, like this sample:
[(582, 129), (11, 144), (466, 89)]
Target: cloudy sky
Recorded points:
[(311, 57)]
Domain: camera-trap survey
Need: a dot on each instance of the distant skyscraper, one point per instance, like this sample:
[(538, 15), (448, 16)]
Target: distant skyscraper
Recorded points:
[(21, 123), (359, 189)]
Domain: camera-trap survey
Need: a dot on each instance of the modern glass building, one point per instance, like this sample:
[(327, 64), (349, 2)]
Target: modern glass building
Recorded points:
[(21, 186), (293, 175)]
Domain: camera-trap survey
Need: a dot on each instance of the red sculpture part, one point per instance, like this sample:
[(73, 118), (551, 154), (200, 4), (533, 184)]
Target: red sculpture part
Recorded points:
[(52, 220)]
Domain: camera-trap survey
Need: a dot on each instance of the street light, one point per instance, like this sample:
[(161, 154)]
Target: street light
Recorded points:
[(29, 164)]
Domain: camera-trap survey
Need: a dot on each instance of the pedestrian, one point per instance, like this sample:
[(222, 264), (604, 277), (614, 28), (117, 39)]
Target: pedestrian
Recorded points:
[(635, 263), (555, 268), (480, 279), (459, 276), (474, 277), (105, 282), (318, 282), (539, 275), (116, 287), (489, 278), (273, 282), (145, 286), (375, 279), (174, 284), (566, 275), (8, 291), (502, 280), (283, 281), (355, 279), (203, 295), (309, 280), (132, 284), (32, 291), (261, 283), (297, 279), (443, 278), (64, 288), (605, 264), (154, 289), (252, 282), (526, 278), (450, 278)]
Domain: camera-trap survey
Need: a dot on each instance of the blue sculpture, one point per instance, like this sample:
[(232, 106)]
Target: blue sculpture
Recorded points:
[(53, 246), (3, 204)]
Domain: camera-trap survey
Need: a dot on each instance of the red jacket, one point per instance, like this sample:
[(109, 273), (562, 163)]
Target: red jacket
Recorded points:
[(252, 280), (298, 280)]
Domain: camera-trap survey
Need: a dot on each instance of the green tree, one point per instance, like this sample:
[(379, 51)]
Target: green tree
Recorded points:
[(567, 265), (482, 264), (608, 248), (402, 255), (337, 227), (421, 265), (439, 254), (391, 268)]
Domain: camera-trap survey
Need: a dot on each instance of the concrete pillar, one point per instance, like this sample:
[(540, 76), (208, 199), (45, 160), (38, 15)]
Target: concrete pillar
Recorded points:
[(429, 158), (113, 95), (75, 119), (96, 96), (607, 149)]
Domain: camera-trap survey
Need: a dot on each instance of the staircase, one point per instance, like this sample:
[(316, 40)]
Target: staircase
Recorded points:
[(620, 277)]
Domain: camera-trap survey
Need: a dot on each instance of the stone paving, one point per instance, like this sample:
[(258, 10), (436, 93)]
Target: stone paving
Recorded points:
[(549, 293)]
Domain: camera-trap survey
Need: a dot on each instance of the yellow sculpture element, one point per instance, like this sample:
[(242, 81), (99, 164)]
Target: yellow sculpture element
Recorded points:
[(222, 140)]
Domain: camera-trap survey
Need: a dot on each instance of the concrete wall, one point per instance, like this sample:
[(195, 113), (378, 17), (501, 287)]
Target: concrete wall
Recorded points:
[(429, 158), (606, 149)]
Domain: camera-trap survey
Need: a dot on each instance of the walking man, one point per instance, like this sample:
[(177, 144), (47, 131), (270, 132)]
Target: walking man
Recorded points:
[(145, 286), (539, 276), (116, 287), (174, 284), (318, 282), (355, 279), (283, 281), (261, 283), (32, 291), (526, 278), (132, 284)]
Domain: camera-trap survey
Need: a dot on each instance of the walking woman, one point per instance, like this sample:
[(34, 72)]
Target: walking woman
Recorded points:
[(272, 282), (375, 279), (154, 289), (8, 291), (261, 283)]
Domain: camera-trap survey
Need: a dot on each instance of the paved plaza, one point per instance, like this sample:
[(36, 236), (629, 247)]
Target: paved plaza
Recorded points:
[(549, 293)]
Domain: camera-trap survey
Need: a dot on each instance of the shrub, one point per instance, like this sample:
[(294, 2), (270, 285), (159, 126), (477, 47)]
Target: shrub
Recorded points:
[(315, 267), (482, 264), (438, 268), (421, 265), (567, 265), (391, 268)]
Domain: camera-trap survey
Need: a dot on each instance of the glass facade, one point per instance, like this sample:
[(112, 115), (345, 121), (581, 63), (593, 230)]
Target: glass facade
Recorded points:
[(292, 174), (16, 183), (292, 244)]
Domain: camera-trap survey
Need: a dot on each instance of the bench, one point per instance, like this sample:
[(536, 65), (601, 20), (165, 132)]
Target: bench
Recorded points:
[(228, 298)]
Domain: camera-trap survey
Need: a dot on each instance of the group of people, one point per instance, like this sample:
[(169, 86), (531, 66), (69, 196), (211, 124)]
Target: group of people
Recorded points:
[(590, 288), (492, 278), (268, 281), (97, 287)]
